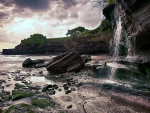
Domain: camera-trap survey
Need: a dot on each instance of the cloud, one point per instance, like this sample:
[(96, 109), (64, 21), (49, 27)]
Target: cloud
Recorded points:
[(69, 3), (3, 15), (36, 5), (6, 2)]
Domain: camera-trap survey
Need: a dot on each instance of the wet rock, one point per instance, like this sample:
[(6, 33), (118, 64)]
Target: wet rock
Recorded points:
[(8, 85), (73, 89), (59, 89), (2, 73), (17, 71), (46, 86), (1, 81), (55, 86), (68, 91), (24, 81), (27, 62), (64, 85), (40, 72), (70, 106), (69, 79), (52, 92), (66, 88), (31, 63), (69, 61), (69, 83), (80, 84)]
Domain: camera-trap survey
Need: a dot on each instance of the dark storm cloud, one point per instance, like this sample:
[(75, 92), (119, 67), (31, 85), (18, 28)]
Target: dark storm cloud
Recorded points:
[(6, 2), (33, 4), (3, 15), (69, 3)]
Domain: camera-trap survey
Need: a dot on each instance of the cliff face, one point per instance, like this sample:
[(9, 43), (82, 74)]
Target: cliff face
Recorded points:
[(86, 45), (134, 16)]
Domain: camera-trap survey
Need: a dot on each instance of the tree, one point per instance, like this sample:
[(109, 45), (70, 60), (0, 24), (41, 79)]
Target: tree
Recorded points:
[(74, 32)]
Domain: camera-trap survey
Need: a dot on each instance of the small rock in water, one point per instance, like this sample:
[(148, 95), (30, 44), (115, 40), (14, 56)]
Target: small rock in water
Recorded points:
[(69, 83), (27, 62), (59, 89), (17, 71), (40, 72), (73, 89), (68, 91), (55, 86), (46, 86), (66, 87), (70, 106), (8, 85), (52, 92)]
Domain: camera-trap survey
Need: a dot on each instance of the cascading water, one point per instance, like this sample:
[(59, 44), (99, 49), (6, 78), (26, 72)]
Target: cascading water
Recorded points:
[(117, 42), (117, 38)]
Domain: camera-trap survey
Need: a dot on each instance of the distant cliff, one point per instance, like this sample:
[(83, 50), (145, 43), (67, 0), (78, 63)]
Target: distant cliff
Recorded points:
[(90, 42)]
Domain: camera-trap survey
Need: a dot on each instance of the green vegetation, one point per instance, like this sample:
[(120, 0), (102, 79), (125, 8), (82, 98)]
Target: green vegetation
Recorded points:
[(19, 94), (102, 32), (9, 109), (24, 108), (42, 103), (110, 2), (74, 32), (35, 39)]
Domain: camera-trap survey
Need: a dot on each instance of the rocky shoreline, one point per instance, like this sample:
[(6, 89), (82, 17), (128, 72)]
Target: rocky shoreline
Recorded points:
[(37, 90)]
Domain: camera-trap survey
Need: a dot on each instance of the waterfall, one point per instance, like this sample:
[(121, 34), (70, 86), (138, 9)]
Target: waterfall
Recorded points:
[(117, 38)]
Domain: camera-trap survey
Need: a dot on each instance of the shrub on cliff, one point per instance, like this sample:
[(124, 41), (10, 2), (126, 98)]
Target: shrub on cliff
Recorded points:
[(35, 39)]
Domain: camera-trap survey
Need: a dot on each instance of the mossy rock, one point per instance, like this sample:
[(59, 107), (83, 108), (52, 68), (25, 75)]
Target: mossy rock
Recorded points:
[(19, 94), (42, 102), (20, 108)]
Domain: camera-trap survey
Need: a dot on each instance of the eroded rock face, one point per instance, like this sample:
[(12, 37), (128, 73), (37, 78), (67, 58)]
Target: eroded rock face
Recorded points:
[(69, 61), (135, 25)]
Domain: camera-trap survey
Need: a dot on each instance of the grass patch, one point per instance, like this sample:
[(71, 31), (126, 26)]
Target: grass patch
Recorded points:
[(9, 109), (42, 102), (22, 108), (21, 94)]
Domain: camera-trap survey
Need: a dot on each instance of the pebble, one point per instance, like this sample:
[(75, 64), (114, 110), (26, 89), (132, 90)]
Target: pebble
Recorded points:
[(70, 106), (52, 92), (40, 72), (73, 89), (59, 89)]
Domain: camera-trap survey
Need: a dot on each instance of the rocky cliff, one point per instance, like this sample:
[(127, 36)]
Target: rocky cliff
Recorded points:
[(134, 16), (84, 45)]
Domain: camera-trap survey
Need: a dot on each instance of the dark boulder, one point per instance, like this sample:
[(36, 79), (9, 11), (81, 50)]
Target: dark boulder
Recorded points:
[(27, 62), (46, 86), (66, 62), (33, 63)]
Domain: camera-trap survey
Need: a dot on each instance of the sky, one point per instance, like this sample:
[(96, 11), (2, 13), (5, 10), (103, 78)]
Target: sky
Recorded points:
[(52, 18)]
